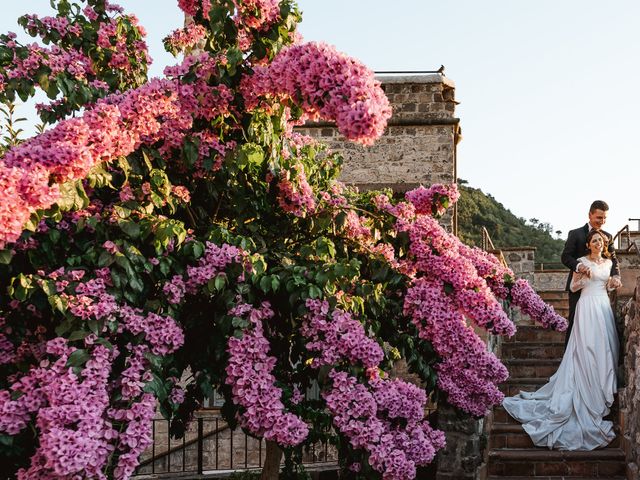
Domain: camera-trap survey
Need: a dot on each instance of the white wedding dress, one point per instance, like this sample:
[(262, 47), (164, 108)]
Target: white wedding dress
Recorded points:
[(566, 413)]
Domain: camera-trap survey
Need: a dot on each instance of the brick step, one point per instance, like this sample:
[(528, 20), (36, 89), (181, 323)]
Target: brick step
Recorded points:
[(508, 435), (532, 350), (501, 418), (541, 462), (562, 309), (556, 304), (513, 386), (531, 367), (548, 295), (528, 322), (530, 333), (556, 301)]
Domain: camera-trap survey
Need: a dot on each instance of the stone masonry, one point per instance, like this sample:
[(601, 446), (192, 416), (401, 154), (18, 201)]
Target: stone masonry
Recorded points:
[(419, 145), (630, 397)]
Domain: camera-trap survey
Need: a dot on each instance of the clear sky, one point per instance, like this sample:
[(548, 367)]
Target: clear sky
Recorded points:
[(548, 88)]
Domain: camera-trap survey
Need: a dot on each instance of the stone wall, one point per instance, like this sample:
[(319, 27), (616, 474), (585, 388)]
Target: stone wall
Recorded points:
[(630, 397), (419, 145), (550, 280), (521, 260)]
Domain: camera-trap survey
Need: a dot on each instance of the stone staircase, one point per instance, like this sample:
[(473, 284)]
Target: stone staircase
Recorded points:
[(532, 356)]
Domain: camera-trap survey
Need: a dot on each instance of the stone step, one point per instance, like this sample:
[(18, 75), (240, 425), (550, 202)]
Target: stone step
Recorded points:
[(541, 462), (531, 367), (535, 334), (513, 386), (502, 418), (550, 295), (557, 303), (525, 321), (532, 350), (510, 435)]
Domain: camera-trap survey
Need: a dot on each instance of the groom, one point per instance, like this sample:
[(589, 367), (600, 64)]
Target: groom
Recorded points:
[(576, 247)]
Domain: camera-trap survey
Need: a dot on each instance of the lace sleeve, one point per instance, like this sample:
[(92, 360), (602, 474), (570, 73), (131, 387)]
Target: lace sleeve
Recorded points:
[(578, 281)]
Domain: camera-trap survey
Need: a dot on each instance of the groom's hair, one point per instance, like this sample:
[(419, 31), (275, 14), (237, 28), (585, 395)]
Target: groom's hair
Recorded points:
[(598, 205)]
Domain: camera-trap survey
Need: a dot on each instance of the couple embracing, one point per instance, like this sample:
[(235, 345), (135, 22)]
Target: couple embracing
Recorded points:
[(567, 413)]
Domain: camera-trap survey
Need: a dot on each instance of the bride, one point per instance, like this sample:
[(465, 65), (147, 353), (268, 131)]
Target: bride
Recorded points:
[(567, 413)]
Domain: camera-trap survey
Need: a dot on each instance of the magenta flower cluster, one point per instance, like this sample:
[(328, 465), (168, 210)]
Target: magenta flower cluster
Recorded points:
[(195, 7), (249, 372), (185, 38), (326, 84), (433, 200), (453, 282), (115, 127), (161, 110), (76, 438), (7, 349), (335, 336), (212, 264), (137, 435), (162, 333), (295, 195), (384, 417), (371, 417), (434, 253), (78, 425), (256, 14), (468, 372), (523, 295), (36, 61), (519, 292)]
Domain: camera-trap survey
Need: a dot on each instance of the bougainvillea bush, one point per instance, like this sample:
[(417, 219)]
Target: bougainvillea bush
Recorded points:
[(164, 239)]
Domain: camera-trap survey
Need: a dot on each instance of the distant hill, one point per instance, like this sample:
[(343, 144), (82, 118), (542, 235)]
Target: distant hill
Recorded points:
[(477, 209)]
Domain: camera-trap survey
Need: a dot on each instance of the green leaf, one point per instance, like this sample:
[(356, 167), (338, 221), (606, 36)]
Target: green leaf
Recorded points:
[(78, 335), (124, 262), (121, 211), (265, 284), (105, 259), (57, 303), (5, 256), (250, 154), (340, 220), (190, 151), (154, 360), (136, 284), (78, 358), (220, 282), (314, 291), (131, 228), (95, 326), (157, 387), (239, 322), (198, 249)]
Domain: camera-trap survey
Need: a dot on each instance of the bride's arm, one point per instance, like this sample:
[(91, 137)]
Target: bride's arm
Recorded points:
[(578, 279), (614, 282)]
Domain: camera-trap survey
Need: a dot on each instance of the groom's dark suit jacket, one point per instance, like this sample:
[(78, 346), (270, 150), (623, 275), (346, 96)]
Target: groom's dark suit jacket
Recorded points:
[(576, 247)]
